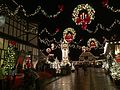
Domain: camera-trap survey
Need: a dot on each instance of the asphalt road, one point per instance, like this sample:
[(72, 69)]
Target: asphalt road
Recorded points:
[(92, 79)]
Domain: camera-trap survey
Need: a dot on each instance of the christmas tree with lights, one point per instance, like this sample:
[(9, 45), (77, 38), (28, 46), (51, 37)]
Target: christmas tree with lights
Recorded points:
[(10, 60)]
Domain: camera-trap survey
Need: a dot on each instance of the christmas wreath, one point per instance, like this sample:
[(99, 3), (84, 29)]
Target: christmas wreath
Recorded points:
[(69, 34), (92, 43), (83, 14)]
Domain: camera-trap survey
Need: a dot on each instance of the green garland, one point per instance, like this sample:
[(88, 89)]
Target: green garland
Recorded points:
[(80, 7), (69, 30)]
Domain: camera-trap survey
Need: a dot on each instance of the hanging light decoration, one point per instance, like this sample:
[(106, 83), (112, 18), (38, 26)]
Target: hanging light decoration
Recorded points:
[(105, 4), (69, 34), (83, 14), (38, 9), (92, 43)]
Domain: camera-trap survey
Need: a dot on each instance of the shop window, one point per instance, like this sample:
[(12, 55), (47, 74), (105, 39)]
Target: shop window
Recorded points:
[(18, 26), (1, 29), (18, 46), (14, 34), (33, 51), (2, 55), (22, 36), (24, 47), (1, 43), (21, 47), (1, 61), (10, 30), (29, 48), (22, 27), (15, 24), (7, 20), (6, 28), (117, 49), (6, 44), (18, 33), (37, 52), (11, 22)]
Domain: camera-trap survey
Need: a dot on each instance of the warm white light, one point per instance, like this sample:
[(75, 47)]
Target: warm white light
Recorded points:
[(111, 42)]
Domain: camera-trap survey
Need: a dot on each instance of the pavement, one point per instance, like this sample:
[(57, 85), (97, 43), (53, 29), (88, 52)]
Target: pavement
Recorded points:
[(93, 79)]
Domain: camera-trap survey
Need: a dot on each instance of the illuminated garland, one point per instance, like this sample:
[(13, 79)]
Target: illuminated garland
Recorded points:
[(105, 4), (98, 27), (112, 9), (83, 18), (104, 28), (38, 9), (69, 30), (48, 42), (45, 30)]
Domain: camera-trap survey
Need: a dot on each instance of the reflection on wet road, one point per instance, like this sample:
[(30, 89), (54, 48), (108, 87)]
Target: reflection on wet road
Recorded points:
[(93, 79)]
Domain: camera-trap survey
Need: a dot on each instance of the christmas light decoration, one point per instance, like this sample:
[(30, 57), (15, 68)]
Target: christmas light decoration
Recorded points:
[(69, 34), (80, 17), (10, 60), (45, 30), (98, 27), (104, 28), (39, 9), (115, 71), (92, 43), (48, 50), (105, 4), (13, 43)]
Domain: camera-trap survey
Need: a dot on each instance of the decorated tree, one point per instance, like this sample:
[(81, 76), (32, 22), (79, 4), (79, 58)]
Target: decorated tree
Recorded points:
[(10, 59), (115, 71)]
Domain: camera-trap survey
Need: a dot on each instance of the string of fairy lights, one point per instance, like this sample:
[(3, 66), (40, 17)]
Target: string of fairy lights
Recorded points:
[(112, 9), (45, 30), (58, 44), (105, 3), (38, 9), (47, 42)]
